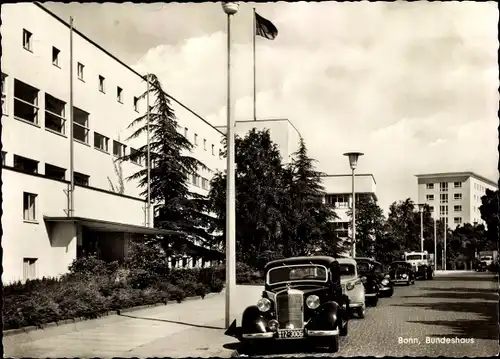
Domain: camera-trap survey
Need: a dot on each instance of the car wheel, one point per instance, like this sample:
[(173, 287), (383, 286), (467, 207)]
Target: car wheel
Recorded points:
[(333, 344), (362, 312), (344, 328)]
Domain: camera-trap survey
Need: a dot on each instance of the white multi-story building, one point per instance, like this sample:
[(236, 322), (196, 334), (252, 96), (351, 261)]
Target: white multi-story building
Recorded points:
[(456, 196), (338, 189), (40, 236), (282, 131)]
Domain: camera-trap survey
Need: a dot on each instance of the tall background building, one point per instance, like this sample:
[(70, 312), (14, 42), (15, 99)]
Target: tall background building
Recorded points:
[(41, 238), (454, 196)]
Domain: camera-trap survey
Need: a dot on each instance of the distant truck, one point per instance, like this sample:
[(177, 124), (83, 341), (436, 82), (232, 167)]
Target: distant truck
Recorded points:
[(422, 264)]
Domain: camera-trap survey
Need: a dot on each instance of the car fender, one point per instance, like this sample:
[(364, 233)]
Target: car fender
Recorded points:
[(326, 317), (253, 320)]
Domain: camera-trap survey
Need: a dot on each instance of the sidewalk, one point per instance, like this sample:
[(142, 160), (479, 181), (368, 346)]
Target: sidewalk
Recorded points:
[(190, 329)]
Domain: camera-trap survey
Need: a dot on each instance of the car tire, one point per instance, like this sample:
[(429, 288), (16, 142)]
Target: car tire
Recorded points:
[(333, 344), (361, 312), (408, 282)]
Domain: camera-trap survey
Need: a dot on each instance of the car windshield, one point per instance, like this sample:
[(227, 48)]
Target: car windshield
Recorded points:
[(363, 267), (296, 273), (413, 257), (347, 270), (485, 258)]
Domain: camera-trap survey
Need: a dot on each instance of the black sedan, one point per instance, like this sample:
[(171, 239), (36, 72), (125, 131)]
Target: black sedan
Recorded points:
[(401, 272)]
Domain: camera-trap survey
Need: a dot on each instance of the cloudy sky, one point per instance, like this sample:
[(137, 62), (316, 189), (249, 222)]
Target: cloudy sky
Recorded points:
[(412, 85)]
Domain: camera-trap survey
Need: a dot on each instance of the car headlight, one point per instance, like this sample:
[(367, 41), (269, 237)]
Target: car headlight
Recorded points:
[(312, 301), (350, 286), (264, 304), (385, 282), (404, 275)]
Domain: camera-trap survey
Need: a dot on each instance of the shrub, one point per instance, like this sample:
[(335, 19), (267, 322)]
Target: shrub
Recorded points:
[(89, 267), (172, 292)]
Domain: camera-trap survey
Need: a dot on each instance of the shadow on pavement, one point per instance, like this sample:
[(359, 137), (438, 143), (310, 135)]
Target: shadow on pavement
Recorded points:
[(463, 290), (457, 294), (464, 278), (173, 322), (481, 308), (477, 329)]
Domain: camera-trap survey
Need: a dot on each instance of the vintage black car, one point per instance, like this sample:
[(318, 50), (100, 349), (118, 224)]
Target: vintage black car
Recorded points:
[(369, 279), (376, 275), (482, 266), (402, 272), (302, 299)]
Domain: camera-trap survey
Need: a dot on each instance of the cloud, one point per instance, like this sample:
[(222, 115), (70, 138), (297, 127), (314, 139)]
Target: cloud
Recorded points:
[(412, 85)]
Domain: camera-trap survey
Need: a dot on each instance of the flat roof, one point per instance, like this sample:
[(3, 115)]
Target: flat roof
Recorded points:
[(455, 174), (119, 61)]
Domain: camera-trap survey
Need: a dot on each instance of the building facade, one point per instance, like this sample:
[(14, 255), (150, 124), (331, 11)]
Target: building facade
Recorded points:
[(454, 196), (41, 237), (338, 189), (282, 132)]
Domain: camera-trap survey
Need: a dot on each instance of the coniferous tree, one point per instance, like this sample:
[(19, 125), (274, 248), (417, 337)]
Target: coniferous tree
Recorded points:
[(175, 206)]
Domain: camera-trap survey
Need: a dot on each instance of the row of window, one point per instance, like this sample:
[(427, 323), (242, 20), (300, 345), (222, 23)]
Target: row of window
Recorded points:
[(28, 165), (444, 197), (80, 68), (479, 187), (443, 186)]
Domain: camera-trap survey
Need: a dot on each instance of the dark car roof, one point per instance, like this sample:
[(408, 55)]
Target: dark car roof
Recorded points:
[(324, 260)]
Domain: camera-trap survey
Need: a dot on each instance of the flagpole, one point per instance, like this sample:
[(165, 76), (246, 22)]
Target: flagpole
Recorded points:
[(71, 141), (254, 72), (148, 206)]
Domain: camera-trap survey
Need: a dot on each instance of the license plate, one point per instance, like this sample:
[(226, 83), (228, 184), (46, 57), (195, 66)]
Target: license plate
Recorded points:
[(291, 334)]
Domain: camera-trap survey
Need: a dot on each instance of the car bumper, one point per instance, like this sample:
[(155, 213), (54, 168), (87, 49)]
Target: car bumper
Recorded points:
[(356, 305), (386, 289), (370, 295), (306, 333), (401, 280)]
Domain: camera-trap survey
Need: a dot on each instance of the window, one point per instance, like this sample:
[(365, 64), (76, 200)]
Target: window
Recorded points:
[(4, 155), (185, 132), (457, 184), (339, 201), (429, 186), (101, 142), (81, 179), (430, 197), (102, 88), (136, 104), (25, 102), (55, 172), (29, 206), (205, 183), (342, 229), (443, 210), (457, 208), (79, 70), (457, 220), (29, 268), (55, 114), (443, 197), (184, 262), (457, 196), (119, 94), (80, 125), (27, 40), (443, 186), (25, 164), (55, 56), (213, 150), (205, 144), (196, 139), (4, 94), (196, 180), (431, 209), (135, 156), (118, 149)]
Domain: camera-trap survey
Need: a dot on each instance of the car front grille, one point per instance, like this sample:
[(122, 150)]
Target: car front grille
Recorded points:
[(289, 309)]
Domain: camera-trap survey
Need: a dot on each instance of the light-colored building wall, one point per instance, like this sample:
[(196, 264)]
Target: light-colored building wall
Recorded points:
[(455, 196), (282, 132), (107, 116)]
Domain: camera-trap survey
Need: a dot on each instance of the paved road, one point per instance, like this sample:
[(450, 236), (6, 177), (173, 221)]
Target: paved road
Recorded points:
[(463, 305)]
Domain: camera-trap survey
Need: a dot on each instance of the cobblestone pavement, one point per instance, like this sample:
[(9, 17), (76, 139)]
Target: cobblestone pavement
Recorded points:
[(463, 305)]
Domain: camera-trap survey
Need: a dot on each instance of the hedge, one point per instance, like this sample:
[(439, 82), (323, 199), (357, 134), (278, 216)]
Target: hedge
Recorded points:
[(93, 288)]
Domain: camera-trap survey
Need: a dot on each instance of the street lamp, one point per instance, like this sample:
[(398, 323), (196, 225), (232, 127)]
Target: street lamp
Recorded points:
[(475, 239), (435, 240), (421, 210), (230, 8), (353, 162)]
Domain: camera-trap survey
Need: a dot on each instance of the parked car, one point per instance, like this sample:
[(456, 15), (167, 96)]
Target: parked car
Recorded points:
[(352, 286), (369, 279), (482, 266), (386, 286), (302, 299), (402, 272)]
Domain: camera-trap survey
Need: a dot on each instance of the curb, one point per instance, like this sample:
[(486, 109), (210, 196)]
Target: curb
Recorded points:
[(10, 332)]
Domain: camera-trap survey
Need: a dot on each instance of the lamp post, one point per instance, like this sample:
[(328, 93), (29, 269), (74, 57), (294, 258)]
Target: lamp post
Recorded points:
[(444, 239), (435, 241), (353, 162), (230, 8), (421, 210)]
